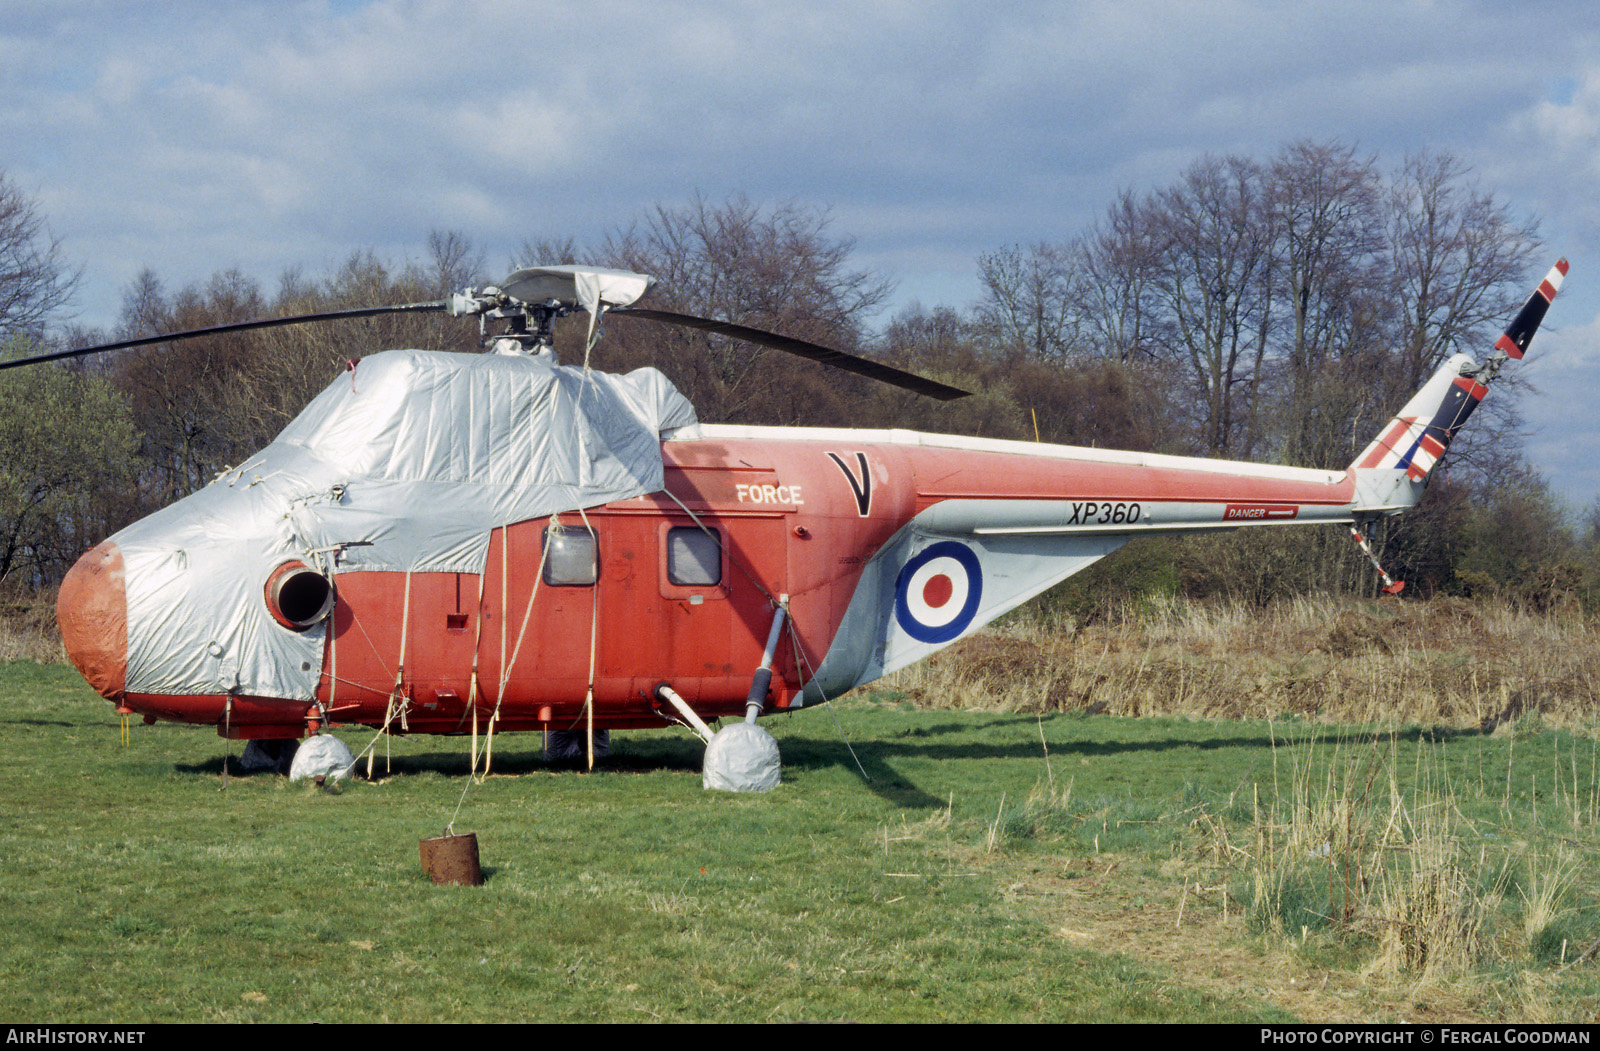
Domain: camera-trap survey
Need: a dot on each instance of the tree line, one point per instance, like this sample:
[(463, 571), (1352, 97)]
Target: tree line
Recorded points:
[(1275, 309)]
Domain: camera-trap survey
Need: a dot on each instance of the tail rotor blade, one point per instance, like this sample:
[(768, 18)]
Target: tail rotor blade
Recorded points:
[(1520, 332)]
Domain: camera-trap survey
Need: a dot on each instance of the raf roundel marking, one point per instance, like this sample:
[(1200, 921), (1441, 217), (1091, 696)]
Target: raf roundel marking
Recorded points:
[(937, 592)]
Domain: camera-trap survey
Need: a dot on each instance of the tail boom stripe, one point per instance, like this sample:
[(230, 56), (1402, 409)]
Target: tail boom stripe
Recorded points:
[(1387, 443)]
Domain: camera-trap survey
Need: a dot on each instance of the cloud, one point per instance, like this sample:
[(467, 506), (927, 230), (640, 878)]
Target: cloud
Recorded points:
[(1563, 367), (192, 137)]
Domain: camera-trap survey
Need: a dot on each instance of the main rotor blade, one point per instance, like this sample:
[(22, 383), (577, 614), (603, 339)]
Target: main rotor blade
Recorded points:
[(237, 326), (812, 351)]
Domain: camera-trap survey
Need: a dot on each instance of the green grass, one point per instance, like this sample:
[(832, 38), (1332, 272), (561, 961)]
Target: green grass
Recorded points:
[(136, 888)]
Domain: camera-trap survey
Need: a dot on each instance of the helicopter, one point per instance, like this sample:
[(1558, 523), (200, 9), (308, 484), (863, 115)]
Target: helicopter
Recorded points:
[(442, 539)]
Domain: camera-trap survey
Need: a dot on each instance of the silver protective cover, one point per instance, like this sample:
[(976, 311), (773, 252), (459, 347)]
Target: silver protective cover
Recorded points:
[(407, 463)]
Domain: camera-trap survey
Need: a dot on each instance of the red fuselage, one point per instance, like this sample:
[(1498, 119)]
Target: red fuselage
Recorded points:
[(795, 513)]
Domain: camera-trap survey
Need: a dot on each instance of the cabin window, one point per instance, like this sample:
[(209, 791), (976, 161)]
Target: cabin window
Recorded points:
[(694, 557), (571, 556)]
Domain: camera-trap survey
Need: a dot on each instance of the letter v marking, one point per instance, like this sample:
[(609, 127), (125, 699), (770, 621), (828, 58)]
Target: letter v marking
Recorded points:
[(861, 489)]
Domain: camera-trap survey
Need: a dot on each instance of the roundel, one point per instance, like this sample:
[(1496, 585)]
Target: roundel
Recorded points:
[(936, 595)]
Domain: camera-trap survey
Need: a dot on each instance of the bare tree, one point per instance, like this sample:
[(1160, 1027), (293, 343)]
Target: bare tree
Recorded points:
[(67, 449), (1461, 266), (778, 269), (35, 281), (179, 392), (1031, 299), (1120, 259), (1212, 288), (202, 404), (548, 251), (1328, 217), (456, 262), (952, 347), (1460, 259)]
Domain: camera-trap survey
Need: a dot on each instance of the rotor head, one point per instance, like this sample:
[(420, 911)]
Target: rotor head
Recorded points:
[(532, 298)]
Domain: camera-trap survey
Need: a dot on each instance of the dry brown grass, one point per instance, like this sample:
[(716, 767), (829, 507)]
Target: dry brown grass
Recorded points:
[(1350, 857), (1446, 662), (28, 627)]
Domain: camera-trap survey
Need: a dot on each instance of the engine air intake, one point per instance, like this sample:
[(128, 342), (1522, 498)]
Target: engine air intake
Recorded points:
[(298, 596)]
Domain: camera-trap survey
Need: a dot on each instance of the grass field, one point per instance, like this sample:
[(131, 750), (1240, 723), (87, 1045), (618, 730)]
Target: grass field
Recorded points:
[(989, 866)]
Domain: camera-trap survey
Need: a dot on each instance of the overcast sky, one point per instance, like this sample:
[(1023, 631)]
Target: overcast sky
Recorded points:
[(193, 137)]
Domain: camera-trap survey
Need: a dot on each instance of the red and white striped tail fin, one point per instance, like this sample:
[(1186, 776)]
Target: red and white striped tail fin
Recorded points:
[(1416, 438)]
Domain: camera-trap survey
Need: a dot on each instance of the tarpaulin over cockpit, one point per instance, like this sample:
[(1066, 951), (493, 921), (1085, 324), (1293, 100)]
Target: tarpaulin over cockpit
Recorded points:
[(406, 463)]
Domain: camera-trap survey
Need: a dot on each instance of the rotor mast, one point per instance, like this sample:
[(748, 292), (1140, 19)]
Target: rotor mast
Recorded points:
[(530, 327), (531, 299)]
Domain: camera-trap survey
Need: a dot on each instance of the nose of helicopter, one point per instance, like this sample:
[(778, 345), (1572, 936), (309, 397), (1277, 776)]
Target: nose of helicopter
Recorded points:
[(92, 609)]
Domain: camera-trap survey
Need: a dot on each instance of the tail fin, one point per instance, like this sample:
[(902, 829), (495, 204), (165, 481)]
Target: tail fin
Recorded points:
[(1415, 439)]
